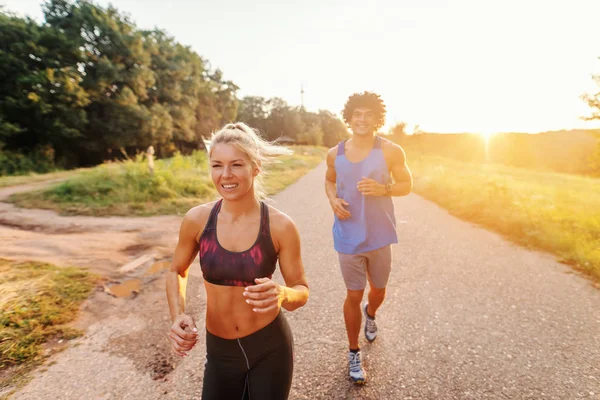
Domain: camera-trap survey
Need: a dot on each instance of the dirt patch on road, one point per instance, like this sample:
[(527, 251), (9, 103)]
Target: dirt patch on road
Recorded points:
[(103, 246)]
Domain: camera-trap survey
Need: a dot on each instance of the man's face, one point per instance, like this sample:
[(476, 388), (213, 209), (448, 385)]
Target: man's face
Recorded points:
[(362, 121)]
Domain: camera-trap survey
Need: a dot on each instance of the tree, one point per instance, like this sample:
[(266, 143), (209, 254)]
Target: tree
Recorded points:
[(254, 111), (42, 104), (334, 130), (174, 97), (225, 94), (311, 136), (116, 75), (217, 104), (397, 132), (593, 101), (312, 133), (283, 120)]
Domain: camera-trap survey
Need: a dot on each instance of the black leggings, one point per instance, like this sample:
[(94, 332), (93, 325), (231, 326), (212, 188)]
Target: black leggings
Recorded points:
[(255, 367)]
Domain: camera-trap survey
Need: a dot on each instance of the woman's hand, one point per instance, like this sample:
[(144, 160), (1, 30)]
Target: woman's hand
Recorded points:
[(183, 335), (265, 296)]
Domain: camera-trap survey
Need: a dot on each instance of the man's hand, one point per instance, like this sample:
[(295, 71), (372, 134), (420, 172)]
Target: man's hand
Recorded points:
[(370, 187), (338, 208)]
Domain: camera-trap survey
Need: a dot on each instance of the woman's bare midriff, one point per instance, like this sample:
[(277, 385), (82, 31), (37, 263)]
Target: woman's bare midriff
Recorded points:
[(228, 316)]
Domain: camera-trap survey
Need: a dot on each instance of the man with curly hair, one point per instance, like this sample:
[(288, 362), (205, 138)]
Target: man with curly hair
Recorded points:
[(363, 173)]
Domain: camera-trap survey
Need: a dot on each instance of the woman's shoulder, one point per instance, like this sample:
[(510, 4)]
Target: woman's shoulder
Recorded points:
[(278, 217), (200, 212), (196, 218), (279, 221), (281, 225)]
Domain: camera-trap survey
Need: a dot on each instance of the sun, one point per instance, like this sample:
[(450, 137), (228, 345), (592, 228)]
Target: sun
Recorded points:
[(486, 142), (486, 135)]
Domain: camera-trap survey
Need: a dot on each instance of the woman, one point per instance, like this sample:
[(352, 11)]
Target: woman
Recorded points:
[(239, 239)]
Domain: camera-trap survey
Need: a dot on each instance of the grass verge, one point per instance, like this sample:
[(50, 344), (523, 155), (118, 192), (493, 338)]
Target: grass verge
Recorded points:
[(558, 213), (37, 301), (178, 183), (13, 180)]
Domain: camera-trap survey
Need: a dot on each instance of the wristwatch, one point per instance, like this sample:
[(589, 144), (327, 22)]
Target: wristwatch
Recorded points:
[(388, 189)]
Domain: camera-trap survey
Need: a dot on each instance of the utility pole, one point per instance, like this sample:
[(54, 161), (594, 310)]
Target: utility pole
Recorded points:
[(302, 96)]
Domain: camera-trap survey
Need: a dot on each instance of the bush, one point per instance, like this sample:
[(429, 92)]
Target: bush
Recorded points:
[(40, 161)]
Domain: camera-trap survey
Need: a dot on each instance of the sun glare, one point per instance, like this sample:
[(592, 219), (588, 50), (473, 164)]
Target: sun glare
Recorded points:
[(486, 141)]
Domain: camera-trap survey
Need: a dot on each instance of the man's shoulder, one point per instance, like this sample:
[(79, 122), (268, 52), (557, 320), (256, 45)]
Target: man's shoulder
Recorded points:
[(334, 149), (332, 153), (386, 143), (392, 152), (390, 146)]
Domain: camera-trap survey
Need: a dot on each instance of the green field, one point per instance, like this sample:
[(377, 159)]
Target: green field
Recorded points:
[(558, 213), (178, 183)]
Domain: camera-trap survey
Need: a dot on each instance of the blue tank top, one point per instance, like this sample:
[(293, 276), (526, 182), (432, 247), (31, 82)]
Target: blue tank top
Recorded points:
[(372, 223)]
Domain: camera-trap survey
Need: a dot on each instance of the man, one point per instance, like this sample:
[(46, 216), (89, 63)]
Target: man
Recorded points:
[(359, 186)]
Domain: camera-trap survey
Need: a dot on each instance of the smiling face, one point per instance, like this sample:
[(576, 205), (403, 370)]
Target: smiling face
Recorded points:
[(362, 121), (232, 171)]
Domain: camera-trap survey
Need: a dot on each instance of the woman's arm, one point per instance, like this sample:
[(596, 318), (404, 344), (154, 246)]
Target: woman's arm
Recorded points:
[(295, 293), (183, 334), (185, 252), (267, 294)]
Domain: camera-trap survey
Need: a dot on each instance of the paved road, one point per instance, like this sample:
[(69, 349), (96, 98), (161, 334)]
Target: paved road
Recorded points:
[(468, 315)]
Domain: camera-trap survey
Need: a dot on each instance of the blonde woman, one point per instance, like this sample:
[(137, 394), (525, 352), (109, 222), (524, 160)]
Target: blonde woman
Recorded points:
[(239, 239)]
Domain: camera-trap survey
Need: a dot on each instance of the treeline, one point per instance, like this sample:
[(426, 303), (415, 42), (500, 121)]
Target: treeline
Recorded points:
[(573, 152), (87, 85)]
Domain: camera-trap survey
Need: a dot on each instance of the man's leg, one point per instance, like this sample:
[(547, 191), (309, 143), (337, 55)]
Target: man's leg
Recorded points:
[(354, 272), (376, 297), (353, 316), (353, 319), (379, 265)]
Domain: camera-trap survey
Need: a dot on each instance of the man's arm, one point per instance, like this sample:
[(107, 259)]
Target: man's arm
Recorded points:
[(396, 161), (330, 175), (403, 182), (337, 205)]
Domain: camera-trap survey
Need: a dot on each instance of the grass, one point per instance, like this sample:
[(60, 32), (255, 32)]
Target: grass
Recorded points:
[(37, 301), (293, 167), (178, 183), (33, 177), (554, 212)]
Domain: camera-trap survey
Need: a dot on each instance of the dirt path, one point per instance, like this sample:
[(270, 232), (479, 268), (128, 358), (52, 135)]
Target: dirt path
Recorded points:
[(468, 316), (100, 244)]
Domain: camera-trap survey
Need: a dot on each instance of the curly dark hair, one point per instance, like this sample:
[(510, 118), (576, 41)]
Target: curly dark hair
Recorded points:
[(367, 100)]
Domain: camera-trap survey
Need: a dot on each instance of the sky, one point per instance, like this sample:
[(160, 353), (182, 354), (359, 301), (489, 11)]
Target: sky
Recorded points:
[(446, 65)]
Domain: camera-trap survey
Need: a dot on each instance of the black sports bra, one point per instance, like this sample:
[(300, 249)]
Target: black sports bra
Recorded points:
[(230, 268)]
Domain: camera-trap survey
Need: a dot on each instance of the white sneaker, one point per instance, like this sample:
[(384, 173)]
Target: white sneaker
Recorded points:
[(370, 325), (357, 373)]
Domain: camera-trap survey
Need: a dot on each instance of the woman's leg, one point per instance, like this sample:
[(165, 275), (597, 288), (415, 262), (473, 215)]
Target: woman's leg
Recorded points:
[(225, 371), (270, 376)]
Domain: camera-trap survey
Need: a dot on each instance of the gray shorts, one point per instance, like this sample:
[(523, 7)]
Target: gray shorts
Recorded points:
[(376, 264)]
